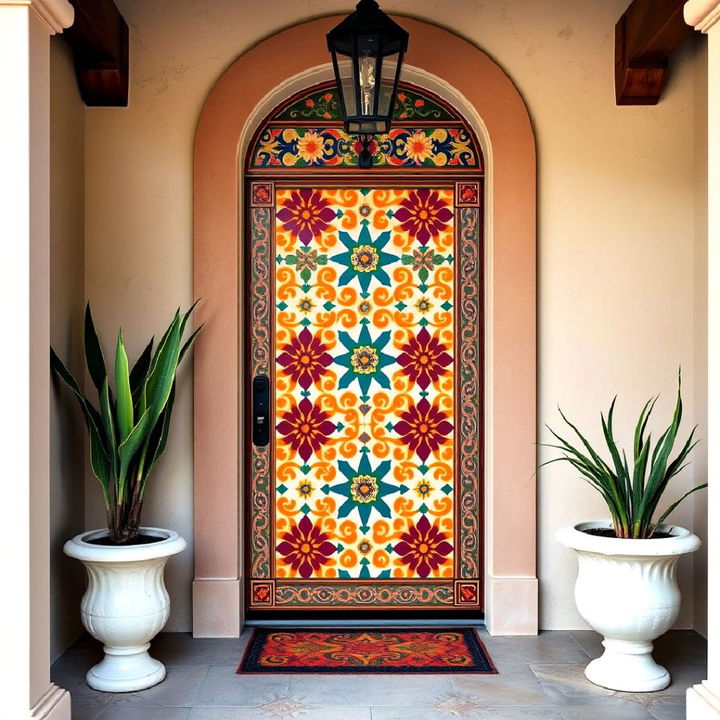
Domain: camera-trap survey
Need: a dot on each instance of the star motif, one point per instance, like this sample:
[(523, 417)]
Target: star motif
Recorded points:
[(283, 707)]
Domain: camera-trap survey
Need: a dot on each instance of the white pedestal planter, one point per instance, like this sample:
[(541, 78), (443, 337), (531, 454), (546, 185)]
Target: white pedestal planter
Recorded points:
[(125, 606), (626, 590)]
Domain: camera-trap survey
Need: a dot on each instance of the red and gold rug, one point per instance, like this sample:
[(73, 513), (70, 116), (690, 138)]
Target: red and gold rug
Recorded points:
[(366, 650)]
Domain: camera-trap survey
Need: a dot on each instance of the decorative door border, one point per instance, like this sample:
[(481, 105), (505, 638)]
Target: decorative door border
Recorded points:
[(466, 77)]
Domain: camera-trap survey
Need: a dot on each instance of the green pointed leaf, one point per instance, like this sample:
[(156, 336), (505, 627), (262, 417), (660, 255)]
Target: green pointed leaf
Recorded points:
[(93, 352), (125, 413), (128, 449), (161, 379), (139, 372), (108, 422), (99, 455)]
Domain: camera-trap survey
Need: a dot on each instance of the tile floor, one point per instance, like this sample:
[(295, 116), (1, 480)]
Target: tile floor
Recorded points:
[(539, 677)]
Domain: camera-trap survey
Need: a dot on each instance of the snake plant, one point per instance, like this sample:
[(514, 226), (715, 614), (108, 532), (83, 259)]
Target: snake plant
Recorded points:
[(632, 491), (129, 428)]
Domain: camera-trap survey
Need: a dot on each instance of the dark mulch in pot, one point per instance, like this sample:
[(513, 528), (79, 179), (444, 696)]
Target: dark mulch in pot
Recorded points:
[(137, 540), (610, 533)]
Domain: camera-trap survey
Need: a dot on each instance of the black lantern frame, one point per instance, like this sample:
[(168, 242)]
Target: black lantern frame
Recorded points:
[(374, 46)]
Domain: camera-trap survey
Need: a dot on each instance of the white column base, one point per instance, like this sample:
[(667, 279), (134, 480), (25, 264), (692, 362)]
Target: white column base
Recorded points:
[(703, 702), (511, 605), (53, 705)]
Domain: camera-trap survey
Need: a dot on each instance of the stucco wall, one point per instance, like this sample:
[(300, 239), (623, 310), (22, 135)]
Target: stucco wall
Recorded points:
[(616, 226), (700, 466), (67, 296)]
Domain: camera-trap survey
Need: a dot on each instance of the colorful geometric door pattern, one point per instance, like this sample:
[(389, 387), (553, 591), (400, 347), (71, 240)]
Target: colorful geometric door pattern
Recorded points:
[(365, 314)]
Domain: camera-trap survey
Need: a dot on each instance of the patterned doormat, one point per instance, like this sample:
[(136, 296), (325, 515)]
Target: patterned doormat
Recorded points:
[(366, 650)]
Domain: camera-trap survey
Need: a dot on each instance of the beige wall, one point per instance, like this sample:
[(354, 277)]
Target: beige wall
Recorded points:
[(67, 296), (616, 225), (700, 465)]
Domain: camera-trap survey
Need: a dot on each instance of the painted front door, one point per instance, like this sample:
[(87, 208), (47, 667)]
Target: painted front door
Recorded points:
[(365, 324)]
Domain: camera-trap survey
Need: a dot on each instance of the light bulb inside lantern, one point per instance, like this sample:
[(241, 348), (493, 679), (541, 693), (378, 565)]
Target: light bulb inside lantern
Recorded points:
[(367, 83)]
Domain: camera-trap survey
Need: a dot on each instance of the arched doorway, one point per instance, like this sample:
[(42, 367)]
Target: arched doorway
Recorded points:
[(463, 75), (364, 330)]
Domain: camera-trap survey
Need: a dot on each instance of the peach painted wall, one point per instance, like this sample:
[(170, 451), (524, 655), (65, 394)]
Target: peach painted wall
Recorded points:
[(615, 220), (67, 301)]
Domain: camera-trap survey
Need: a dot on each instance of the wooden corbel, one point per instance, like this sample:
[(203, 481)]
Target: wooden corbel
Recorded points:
[(99, 40), (645, 37)]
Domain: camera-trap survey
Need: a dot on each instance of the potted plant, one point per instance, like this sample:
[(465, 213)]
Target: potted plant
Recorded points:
[(626, 587), (126, 603)]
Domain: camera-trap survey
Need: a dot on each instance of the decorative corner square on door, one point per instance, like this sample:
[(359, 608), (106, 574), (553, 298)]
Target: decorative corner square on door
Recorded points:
[(467, 592), (262, 194), (467, 194), (262, 593)]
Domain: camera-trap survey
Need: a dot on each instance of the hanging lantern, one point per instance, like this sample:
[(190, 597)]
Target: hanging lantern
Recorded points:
[(367, 50)]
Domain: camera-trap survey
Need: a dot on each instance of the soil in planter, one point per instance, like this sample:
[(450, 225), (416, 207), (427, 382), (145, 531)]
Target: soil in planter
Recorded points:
[(610, 533), (137, 540)]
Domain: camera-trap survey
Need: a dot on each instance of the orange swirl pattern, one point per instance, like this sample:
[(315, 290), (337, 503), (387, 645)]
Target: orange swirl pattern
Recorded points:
[(364, 392), (366, 309)]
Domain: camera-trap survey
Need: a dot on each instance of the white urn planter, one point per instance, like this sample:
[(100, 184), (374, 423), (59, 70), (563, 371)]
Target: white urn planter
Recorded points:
[(125, 606), (626, 590)]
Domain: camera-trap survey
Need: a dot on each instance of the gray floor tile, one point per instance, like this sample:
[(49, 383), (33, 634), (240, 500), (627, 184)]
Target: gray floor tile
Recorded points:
[(223, 687), (120, 712), (590, 642), (178, 689), (515, 684), (626, 711), (381, 690), (502, 712), (667, 708), (87, 707), (567, 685), (281, 709), (183, 649), (548, 647)]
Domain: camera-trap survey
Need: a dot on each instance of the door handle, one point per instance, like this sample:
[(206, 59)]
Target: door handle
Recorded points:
[(261, 410)]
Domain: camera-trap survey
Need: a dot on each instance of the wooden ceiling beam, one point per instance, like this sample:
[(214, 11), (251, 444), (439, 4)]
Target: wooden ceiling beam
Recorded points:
[(100, 44), (645, 36)]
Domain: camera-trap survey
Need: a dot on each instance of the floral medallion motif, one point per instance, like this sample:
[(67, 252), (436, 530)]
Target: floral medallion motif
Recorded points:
[(305, 214), (305, 358), (423, 548), (424, 359), (424, 428), (306, 428), (305, 548), (423, 214)]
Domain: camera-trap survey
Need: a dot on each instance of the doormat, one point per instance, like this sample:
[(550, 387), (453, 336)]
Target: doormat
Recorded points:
[(366, 650)]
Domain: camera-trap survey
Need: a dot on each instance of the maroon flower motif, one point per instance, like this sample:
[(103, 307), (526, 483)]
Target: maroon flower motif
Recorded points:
[(305, 428), (424, 428), (306, 214), (423, 214), (305, 548), (423, 547), (305, 359), (424, 359)]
